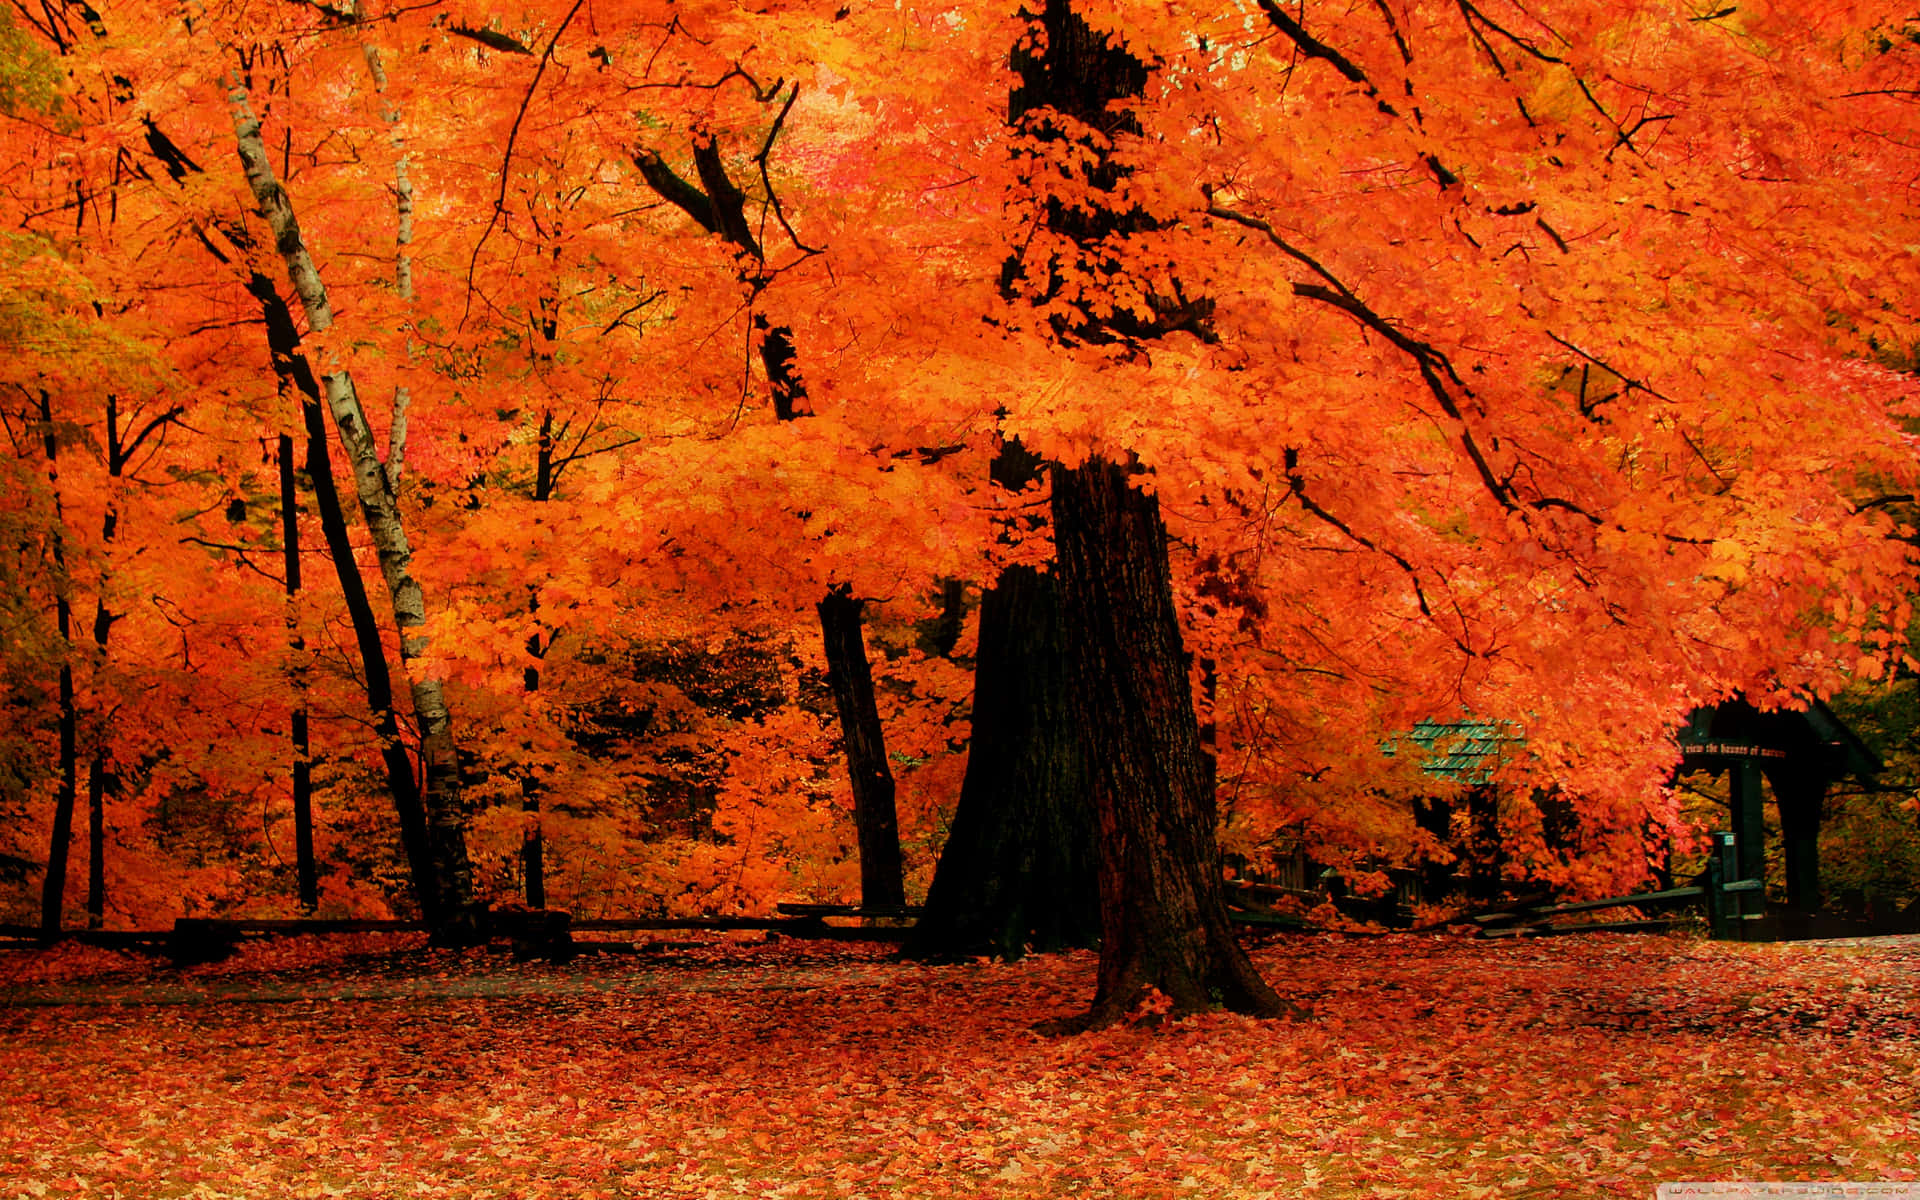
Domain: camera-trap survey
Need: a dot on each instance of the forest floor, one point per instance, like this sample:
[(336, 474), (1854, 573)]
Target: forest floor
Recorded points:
[(375, 1068)]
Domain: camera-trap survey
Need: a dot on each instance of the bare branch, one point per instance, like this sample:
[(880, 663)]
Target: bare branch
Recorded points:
[(766, 150), (506, 160)]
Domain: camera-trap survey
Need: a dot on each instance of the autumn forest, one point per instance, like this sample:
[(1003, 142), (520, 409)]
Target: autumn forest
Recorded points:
[(1209, 492), (660, 458)]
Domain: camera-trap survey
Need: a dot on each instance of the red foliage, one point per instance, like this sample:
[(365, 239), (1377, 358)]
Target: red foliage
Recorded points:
[(1426, 1067)]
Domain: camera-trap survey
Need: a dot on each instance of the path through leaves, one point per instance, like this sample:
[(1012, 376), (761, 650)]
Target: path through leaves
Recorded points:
[(1425, 1068)]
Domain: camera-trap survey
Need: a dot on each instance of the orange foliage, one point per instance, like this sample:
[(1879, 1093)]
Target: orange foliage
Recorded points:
[(1539, 385)]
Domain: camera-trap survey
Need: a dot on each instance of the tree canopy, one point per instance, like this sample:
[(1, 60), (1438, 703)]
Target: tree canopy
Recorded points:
[(1528, 361)]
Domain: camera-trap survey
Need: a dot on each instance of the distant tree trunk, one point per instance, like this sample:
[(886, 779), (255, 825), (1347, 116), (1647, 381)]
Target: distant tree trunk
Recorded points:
[(1486, 852), (448, 899), (53, 886), (124, 437), (306, 876), (939, 636), (875, 817), (1019, 868), (1800, 792), (103, 619), (97, 837), (1433, 816), (533, 843), (719, 207), (1162, 902)]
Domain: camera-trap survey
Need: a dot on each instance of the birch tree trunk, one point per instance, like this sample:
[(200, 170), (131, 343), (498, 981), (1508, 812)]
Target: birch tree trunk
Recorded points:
[(292, 367), (449, 906)]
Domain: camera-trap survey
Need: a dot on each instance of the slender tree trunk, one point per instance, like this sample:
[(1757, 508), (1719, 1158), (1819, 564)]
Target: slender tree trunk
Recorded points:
[(53, 888), (851, 681), (97, 837), (719, 207), (306, 876), (1019, 868), (533, 843), (1162, 903), (863, 738), (449, 899), (402, 780), (100, 781)]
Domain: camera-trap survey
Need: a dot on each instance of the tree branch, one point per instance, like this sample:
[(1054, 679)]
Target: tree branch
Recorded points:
[(675, 190), (506, 159), (766, 150)]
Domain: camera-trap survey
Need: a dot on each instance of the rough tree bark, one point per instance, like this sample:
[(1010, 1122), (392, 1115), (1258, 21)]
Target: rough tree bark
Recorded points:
[(1163, 909), (1163, 913), (1019, 868), (448, 900)]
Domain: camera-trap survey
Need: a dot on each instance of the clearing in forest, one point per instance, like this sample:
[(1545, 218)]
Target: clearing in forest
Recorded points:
[(1432, 1067)]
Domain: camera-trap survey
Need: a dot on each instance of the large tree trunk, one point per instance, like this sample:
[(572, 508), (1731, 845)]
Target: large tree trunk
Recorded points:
[(875, 818), (1019, 868), (449, 901), (1162, 903)]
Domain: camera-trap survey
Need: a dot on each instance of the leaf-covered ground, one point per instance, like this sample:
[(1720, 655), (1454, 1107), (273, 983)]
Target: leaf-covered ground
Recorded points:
[(1438, 1067)]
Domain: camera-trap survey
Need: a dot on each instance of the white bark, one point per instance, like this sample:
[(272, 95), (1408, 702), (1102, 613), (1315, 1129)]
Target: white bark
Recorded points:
[(379, 503), (403, 251), (377, 500)]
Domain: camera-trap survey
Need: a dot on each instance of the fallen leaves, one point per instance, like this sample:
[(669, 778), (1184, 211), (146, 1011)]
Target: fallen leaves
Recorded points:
[(1428, 1067)]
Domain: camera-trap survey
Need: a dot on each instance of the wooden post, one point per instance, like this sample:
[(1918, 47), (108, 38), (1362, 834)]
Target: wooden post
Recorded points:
[(1799, 796), (1719, 919), (1745, 791), (1734, 901)]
